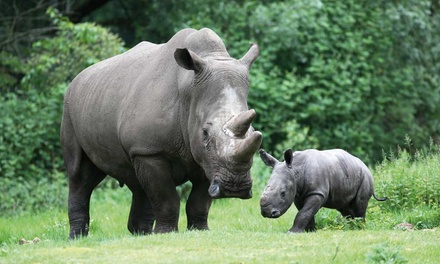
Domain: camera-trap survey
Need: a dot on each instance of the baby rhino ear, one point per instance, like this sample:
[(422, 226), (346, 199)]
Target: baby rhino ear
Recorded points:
[(288, 155), (267, 158)]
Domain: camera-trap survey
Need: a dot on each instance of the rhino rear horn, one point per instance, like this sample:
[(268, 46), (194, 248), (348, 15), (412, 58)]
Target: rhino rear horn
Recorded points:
[(239, 125), (251, 55)]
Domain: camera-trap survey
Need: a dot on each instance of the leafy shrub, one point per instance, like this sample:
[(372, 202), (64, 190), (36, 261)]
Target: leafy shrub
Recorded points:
[(384, 253), (30, 155), (357, 75), (409, 182)]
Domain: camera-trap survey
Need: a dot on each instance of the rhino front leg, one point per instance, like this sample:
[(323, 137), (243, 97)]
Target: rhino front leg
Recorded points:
[(305, 218), (141, 219), (154, 175), (198, 204)]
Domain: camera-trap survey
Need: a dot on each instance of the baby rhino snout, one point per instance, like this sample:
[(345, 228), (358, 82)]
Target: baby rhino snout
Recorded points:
[(266, 209), (263, 201)]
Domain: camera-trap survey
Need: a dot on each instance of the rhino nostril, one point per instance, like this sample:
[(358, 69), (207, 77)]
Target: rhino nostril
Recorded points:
[(275, 213), (214, 190)]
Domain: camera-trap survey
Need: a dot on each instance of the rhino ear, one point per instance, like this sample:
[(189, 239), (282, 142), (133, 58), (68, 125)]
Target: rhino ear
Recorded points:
[(288, 155), (267, 158), (189, 60), (251, 55)]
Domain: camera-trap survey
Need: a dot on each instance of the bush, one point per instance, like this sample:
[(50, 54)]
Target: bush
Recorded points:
[(384, 253), (30, 154), (357, 75), (409, 183)]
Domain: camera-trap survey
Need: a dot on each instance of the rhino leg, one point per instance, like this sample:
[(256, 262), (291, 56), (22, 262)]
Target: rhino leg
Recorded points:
[(198, 204), (141, 219), (83, 176), (310, 227), (82, 181), (304, 219), (358, 206), (155, 176)]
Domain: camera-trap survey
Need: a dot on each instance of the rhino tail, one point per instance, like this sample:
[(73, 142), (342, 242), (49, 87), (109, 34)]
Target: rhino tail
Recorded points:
[(380, 199)]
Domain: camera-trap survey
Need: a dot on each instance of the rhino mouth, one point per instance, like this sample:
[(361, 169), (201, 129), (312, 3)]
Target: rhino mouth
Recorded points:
[(217, 190), (269, 212)]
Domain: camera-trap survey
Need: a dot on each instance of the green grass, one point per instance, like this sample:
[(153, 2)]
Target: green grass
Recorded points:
[(239, 234)]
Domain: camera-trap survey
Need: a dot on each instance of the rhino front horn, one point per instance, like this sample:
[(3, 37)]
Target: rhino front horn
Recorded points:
[(248, 146), (240, 124)]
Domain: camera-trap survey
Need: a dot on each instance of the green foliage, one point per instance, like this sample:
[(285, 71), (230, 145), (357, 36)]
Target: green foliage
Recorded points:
[(384, 254), (410, 183), (30, 155), (357, 75)]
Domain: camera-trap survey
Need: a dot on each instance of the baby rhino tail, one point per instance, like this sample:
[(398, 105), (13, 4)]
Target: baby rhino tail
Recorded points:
[(380, 199)]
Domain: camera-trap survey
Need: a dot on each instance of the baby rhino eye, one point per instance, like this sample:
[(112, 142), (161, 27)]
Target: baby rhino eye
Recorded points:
[(283, 194)]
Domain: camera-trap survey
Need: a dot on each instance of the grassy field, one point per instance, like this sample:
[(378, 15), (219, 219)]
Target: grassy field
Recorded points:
[(239, 234)]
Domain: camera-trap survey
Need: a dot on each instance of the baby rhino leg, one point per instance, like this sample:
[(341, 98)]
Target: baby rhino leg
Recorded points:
[(305, 218)]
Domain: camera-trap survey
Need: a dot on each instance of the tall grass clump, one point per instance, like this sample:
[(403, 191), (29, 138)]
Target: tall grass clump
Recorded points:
[(412, 184)]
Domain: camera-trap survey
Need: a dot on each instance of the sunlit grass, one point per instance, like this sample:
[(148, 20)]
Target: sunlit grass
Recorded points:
[(239, 234)]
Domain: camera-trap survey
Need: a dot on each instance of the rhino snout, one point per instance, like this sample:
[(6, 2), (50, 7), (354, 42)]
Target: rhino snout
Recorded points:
[(270, 212), (217, 191), (264, 201), (275, 213), (214, 190)]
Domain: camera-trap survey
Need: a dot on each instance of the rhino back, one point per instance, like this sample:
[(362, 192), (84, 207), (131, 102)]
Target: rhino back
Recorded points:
[(335, 174), (128, 104)]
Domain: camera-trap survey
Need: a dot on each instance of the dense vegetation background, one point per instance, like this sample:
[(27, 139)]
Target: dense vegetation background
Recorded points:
[(362, 75)]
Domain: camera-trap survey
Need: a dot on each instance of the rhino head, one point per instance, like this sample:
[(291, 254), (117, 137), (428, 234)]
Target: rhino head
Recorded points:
[(280, 190), (220, 135)]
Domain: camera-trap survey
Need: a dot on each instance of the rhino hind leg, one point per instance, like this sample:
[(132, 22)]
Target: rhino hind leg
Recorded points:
[(197, 206), (82, 181), (141, 219), (356, 208), (83, 176), (347, 212)]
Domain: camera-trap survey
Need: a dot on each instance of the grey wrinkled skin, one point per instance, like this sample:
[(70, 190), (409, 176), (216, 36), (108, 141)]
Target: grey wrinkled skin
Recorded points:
[(312, 179), (155, 117)]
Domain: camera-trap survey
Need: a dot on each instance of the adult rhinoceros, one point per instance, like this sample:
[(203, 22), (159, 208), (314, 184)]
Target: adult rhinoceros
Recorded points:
[(155, 117)]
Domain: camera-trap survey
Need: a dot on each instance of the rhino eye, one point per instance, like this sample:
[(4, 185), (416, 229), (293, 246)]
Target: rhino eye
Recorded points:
[(206, 139), (205, 134), (283, 194)]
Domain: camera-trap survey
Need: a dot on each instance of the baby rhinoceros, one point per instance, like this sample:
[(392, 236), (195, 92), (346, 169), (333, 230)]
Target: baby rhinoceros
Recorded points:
[(312, 179)]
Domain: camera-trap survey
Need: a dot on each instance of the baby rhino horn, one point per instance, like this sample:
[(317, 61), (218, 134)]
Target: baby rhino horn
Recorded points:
[(240, 124)]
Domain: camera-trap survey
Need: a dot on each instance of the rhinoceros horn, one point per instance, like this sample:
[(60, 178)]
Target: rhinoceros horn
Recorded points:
[(251, 55), (246, 147), (239, 125)]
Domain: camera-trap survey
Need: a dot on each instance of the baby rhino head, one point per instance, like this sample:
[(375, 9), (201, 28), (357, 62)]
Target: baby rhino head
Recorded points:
[(280, 190)]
